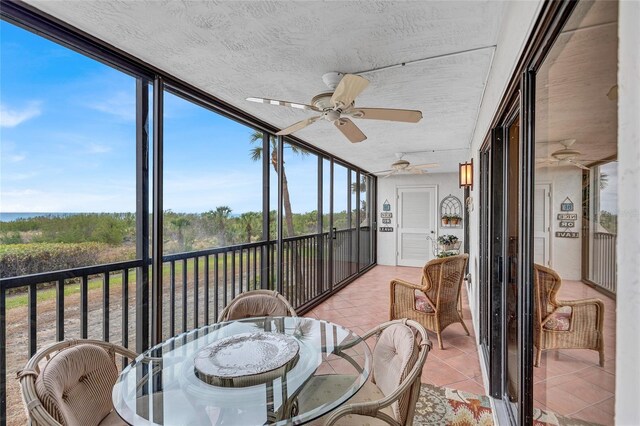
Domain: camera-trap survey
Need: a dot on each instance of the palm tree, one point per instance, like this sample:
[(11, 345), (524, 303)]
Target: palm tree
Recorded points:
[(249, 221), (180, 223), (219, 218), (256, 155)]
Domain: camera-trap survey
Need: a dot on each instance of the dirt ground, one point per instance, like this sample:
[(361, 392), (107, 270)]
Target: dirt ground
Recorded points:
[(17, 321)]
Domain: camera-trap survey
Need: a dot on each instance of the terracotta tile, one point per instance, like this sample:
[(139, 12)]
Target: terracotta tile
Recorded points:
[(440, 374), (466, 344), (608, 406), (564, 402), (466, 364), (447, 352), (595, 415), (582, 389), (540, 405), (601, 378), (324, 368), (468, 386)]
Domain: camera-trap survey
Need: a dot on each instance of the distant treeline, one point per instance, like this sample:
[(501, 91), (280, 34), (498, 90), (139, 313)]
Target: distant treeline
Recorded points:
[(107, 228), (182, 231), (49, 243)]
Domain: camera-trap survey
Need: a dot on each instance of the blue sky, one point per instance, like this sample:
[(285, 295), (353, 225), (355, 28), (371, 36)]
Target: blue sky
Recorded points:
[(67, 141)]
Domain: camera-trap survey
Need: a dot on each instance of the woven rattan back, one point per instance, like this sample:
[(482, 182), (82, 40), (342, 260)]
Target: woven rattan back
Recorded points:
[(546, 285), (442, 279)]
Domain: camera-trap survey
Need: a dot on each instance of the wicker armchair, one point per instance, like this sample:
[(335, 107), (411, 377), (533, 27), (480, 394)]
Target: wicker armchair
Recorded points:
[(74, 386), (436, 302), (390, 397), (575, 324), (257, 303)]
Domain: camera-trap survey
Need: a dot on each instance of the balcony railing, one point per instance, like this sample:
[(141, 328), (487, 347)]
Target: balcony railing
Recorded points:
[(102, 301), (603, 261)]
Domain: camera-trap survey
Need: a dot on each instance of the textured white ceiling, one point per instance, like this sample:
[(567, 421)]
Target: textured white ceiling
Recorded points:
[(234, 49)]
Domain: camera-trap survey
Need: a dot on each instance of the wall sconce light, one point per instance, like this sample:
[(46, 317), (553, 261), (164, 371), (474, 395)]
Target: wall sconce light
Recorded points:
[(466, 175)]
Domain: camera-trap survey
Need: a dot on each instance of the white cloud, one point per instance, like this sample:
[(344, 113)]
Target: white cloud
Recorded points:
[(32, 200), (96, 148), (12, 117), (120, 104), (18, 176), (16, 158)]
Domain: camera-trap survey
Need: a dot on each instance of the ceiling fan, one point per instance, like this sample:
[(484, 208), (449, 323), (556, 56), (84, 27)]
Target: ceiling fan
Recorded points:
[(338, 106), (565, 156), (401, 166)]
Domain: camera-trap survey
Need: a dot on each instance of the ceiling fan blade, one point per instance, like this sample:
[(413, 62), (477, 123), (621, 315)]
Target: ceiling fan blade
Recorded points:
[(417, 171), (402, 115), (391, 173), (350, 130), (285, 103), (349, 87), (575, 163), (425, 166), (297, 126)]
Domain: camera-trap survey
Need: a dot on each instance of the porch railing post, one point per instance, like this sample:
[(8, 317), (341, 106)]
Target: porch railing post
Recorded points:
[(156, 269), (264, 251), (142, 216)]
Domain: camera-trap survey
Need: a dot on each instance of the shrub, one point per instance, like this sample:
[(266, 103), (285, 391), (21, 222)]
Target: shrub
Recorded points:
[(26, 259)]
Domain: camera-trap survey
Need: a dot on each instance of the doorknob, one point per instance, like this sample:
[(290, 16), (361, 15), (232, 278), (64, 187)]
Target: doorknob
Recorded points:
[(433, 232)]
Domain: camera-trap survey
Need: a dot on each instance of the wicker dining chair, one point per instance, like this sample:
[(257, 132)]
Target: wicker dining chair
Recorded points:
[(390, 397), (69, 383), (575, 324), (257, 303), (436, 302)]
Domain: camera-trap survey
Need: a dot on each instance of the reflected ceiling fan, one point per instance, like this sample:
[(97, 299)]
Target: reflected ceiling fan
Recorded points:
[(401, 166), (563, 157), (338, 107)]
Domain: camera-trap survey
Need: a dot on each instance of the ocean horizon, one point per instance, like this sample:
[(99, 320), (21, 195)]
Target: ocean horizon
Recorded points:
[(13, 216)]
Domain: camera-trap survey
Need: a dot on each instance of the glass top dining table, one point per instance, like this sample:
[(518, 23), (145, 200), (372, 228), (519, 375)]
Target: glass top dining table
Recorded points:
[(162, 386)]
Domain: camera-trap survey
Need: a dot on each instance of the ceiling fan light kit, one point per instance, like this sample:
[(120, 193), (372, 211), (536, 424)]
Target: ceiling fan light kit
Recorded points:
[(565, 156), (338, 107), (404, 166)]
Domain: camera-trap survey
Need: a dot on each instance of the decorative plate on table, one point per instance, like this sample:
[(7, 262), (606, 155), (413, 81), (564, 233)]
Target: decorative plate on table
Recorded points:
[(246, 359)]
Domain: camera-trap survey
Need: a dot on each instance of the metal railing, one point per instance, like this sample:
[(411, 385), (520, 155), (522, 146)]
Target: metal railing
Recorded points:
[(603, 261), (102, 301)]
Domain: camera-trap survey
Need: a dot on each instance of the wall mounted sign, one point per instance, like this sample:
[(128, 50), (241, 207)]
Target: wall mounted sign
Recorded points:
[(386, 229), (567, 224), (386, 221), (567, 216), (567, 205), (386, 215), (386, 206), (566, 234)]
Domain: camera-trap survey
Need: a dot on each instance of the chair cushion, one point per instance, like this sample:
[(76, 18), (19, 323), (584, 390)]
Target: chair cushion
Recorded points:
[(257, 305), (112, 419), (559, 320), (322, 389), (75, 385), (394, 356), (422, 303)]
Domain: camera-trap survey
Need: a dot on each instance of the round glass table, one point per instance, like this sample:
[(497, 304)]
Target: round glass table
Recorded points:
[(163, 387)]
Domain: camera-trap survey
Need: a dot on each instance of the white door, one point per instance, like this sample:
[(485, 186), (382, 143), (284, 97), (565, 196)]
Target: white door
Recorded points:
[(416, 221), (542, 224)]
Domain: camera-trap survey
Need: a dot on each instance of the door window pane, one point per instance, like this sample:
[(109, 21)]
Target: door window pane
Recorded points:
[(575, 211)]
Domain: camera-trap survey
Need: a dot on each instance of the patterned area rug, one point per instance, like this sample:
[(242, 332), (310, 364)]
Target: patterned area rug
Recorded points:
[(442, 407)]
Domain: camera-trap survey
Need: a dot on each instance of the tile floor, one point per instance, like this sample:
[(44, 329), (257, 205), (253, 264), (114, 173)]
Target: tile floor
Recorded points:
[(364, 303), (568, 382)]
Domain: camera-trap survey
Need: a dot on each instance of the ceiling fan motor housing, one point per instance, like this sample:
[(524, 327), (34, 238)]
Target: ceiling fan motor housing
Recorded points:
[(331, 79)]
